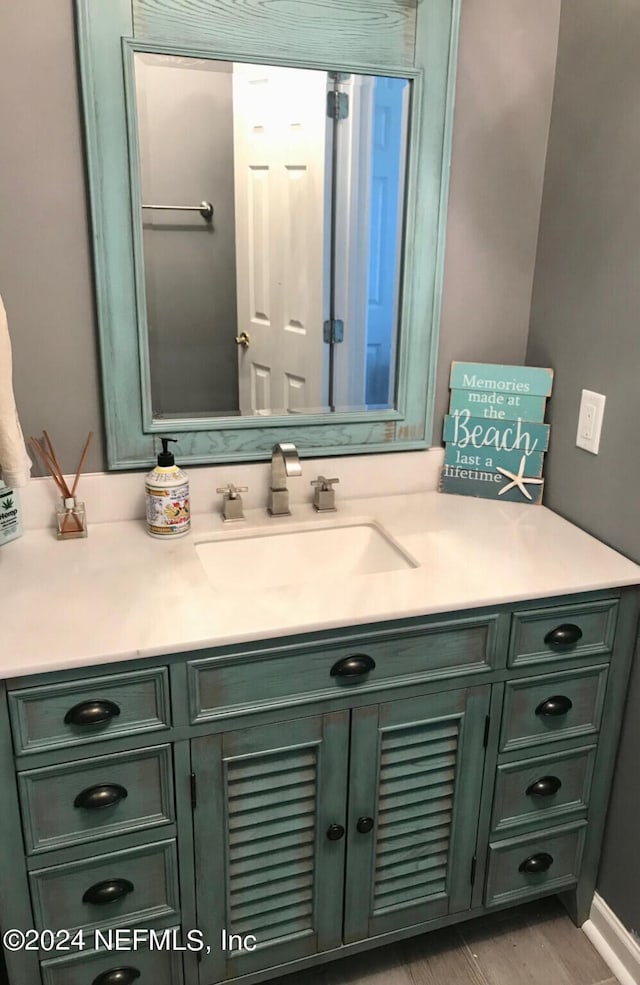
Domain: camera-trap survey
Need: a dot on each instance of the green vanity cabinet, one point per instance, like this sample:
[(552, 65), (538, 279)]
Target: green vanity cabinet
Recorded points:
[(292, 801), (416, 772), (269, 840), (378, 807)]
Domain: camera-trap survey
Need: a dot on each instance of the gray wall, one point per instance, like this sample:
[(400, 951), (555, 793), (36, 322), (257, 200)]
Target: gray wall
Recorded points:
[(45, 265), (503, 102), (585, 323), (506, 74)]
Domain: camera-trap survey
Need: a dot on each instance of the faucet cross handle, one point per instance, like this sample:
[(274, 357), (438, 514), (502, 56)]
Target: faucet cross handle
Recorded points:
[(232, 502), (231, 490), (325, 484), (324, 497)]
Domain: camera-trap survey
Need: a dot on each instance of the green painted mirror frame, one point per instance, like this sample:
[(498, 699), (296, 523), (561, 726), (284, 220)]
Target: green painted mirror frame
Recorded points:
[(416, 39)]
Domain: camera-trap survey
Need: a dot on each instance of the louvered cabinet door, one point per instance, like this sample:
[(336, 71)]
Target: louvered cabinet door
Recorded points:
[(265, 866), (415, 782)]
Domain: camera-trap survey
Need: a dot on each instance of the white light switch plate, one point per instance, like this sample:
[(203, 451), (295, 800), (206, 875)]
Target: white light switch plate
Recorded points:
[(590, 421)]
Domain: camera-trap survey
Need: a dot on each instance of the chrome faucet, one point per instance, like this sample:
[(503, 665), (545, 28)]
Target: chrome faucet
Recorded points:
[(284, 462)]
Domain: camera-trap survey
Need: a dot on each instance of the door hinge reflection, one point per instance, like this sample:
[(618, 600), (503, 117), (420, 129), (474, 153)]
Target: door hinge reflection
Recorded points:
[(333, 331)]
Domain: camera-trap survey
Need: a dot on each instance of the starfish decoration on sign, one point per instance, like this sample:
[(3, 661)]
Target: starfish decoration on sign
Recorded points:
[(518, 480)]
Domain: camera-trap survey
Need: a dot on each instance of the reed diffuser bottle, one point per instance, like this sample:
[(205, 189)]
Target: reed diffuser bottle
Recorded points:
[(71, 518)]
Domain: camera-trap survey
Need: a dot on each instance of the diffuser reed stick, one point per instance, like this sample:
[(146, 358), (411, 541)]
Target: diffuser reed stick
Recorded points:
[(81, 463)]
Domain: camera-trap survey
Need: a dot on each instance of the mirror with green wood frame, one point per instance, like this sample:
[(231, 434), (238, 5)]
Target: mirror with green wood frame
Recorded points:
[(268, 207)]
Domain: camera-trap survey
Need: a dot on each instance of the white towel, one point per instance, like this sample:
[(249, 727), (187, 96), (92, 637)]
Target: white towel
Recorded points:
[(14, 461)]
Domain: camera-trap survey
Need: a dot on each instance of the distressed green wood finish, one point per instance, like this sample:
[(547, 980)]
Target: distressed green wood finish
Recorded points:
[(248, 758), (492, 740), (266, 798), (48, 798), (187, 872), (57, 890), (513, 807), (416, 769), (522, 727), (507, 884), (409, 38), (365, 30), (625, 647), (162, 967), (15, 904), (38, 713), (595, 620), (220, 685)]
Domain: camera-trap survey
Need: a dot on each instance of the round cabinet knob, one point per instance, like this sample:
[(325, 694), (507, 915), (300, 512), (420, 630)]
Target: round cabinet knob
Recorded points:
[(535, 864), (546, 786), (364, 825), (553, 707), (566, 635), (101, 796), (108, 891), (117, 976), (91, 713), (335, 832), (354, 666)]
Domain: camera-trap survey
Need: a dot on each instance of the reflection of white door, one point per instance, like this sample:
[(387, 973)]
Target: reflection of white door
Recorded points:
[(280, 149)]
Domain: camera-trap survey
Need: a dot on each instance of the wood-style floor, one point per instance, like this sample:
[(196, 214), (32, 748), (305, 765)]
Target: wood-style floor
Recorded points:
[(535, 944)]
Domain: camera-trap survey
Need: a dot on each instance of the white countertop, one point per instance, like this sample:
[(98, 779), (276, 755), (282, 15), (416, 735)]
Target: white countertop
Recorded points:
[(120, 594)]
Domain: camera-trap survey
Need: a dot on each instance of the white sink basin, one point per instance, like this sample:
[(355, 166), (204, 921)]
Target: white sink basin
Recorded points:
[(300, 554)]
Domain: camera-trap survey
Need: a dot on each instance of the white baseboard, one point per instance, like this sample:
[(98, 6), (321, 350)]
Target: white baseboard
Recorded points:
[(617, 947)]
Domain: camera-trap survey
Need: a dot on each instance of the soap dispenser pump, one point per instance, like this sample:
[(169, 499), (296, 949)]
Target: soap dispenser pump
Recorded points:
[(167, 496)]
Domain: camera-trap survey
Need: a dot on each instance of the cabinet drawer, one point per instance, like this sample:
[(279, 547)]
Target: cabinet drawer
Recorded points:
[(547, 709), (541, 635), (120, 889), (544, 790), (223, 684), (96, 798), (145, 967), (91, 710), (531, 866)]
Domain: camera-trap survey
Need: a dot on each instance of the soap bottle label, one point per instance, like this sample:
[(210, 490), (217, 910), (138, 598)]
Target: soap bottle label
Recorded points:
[(168, 513), (10, 524)]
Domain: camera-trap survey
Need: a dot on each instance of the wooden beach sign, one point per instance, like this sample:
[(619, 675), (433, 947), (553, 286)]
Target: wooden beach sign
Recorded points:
[(495, 435)]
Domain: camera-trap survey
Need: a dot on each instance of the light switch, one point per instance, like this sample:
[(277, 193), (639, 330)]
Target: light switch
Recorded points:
[(590, 421)]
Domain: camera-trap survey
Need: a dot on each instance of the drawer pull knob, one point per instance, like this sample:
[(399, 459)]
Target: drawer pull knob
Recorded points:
[(117, 976), (559, 704), (91, 713), (540, 862), (101, 796), (546, 786), (353, 666), (364, 825), (565, 635), (335, 832), (108, 891)]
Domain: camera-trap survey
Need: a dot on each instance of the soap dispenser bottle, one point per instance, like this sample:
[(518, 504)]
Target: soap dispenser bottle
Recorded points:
[(10, 514), (167, 497)]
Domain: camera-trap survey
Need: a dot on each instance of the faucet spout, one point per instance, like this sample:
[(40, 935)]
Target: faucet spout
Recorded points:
[(284, 462)]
